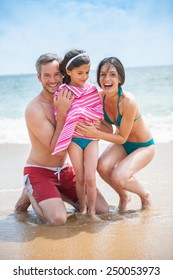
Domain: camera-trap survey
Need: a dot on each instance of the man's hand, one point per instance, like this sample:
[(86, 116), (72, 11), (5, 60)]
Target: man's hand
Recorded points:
[(64, 101)]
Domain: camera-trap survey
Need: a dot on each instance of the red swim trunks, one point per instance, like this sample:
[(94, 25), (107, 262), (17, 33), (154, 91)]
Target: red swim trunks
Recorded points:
[(44, 183)]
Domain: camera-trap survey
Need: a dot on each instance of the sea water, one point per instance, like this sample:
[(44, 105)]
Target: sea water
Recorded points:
[(151, 86)]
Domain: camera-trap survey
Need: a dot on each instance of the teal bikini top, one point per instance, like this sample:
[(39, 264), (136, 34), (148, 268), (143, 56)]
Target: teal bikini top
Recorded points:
[(118, 121)]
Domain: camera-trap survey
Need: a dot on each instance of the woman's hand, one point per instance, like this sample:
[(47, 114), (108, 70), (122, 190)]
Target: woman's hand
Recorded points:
[(88, 129), (97, 124)]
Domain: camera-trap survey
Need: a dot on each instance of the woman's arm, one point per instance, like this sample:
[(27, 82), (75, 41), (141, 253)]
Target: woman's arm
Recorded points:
[(124, 130), (106, 127)]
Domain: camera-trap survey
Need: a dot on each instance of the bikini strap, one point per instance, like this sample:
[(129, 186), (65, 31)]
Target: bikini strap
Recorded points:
[(120, 93)]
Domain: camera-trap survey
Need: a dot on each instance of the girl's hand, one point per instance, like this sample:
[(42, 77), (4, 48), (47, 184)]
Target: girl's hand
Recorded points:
[(87, 129)]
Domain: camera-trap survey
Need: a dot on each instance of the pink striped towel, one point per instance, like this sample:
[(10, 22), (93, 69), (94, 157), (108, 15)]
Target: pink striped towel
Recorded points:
[(86, 106)]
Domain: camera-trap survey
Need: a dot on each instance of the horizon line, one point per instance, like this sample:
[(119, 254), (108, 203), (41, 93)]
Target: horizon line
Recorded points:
[(128, 67)]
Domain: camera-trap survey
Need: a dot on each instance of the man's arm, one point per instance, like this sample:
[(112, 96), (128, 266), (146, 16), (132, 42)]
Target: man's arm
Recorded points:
[(62, 104), (42, 127)]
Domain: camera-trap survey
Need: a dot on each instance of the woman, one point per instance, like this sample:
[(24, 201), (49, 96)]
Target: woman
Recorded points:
[(132, 146)]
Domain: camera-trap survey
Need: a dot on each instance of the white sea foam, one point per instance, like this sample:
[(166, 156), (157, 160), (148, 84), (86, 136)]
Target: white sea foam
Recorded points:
[(151, 86), (14, 131), (162, 128)]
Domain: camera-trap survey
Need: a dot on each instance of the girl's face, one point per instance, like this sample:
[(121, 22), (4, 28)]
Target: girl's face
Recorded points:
[(109, 78), (79, 75)]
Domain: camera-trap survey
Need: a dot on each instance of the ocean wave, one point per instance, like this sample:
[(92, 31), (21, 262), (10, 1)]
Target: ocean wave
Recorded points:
[(8, 190), (162, 127), (14, 131)]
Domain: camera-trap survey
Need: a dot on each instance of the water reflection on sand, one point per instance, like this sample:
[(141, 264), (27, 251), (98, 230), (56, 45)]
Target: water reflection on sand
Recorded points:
[(135, 234)]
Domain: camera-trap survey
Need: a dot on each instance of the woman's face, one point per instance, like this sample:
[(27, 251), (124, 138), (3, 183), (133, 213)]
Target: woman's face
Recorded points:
[(109, 78)]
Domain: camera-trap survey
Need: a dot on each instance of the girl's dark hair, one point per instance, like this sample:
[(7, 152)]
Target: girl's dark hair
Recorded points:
[(117, 64), (75, 63)]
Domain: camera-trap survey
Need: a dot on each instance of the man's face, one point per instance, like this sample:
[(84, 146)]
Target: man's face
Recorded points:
[(50, 77)]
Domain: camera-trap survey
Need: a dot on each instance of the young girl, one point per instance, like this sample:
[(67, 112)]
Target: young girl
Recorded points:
[(86, 106), (132, 145)]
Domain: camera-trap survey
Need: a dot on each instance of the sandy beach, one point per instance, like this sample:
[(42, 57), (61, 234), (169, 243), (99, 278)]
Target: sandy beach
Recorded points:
[(135, 235)]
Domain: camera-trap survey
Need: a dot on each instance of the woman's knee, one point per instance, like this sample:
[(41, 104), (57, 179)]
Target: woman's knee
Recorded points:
[(102, 167), (118, 178)]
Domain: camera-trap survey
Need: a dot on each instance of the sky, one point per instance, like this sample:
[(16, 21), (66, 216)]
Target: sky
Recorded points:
[(138, 32)]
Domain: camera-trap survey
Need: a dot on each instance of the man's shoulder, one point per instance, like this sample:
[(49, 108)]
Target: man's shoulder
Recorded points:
[(34, 106)]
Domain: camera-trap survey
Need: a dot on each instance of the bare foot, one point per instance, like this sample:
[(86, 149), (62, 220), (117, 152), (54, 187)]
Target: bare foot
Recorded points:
[(80, 216), (23, 202), (83, 211), (123, 203), (94, 218), (146, 201)]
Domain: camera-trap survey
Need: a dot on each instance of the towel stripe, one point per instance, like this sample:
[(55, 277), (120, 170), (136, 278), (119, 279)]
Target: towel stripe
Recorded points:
[(86, 106)]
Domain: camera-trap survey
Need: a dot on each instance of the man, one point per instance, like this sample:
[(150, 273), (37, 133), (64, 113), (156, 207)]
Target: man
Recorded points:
[(48, 178)]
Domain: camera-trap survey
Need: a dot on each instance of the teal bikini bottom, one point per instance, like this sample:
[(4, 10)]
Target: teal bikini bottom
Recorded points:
[(81, 142), (132, 146)]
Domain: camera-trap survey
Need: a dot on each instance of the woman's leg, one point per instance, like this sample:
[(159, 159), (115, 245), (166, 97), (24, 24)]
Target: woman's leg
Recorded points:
[(122, 174), (90, 166), (109, 159), (76, 155)]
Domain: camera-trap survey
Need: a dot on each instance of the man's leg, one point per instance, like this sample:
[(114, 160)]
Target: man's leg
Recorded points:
[(23, 202), (51, 211), (102, 206)]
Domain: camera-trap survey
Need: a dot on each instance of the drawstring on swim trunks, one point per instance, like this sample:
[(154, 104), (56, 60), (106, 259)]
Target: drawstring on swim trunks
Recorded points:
[(58, 170)]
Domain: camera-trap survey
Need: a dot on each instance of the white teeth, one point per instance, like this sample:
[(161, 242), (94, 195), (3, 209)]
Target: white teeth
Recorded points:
[(107, 85)]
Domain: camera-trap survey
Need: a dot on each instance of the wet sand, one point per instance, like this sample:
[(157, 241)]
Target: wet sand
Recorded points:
[(135, 235)]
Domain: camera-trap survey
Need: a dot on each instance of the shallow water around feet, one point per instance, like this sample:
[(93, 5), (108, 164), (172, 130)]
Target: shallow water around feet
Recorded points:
[(135, 234)]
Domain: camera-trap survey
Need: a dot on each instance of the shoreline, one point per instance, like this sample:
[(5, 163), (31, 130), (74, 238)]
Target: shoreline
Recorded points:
[(136, 234)]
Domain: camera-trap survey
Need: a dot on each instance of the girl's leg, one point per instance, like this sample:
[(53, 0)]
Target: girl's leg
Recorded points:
[(90, 166), (76, 155), (122, 175), (109, 159)]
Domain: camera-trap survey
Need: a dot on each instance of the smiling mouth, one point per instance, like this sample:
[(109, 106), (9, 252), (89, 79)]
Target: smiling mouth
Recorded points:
[(107, 86), (54, 86)]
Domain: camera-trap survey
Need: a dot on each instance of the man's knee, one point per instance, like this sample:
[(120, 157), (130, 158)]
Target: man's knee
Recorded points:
[(53, 211), (57, 220)]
